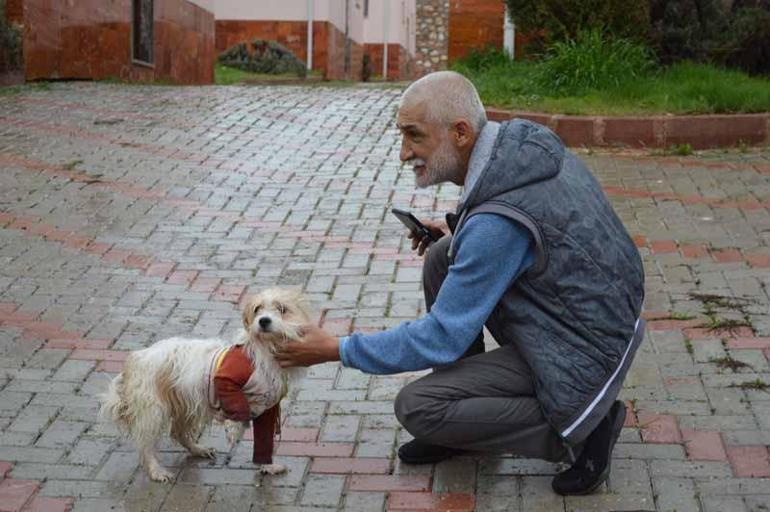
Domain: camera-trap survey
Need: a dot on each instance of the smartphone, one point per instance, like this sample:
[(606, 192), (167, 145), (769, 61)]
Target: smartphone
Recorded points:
[(414, 225)]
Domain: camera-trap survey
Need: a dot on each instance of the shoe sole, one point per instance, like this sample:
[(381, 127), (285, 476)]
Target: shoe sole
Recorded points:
[(616, 428), (424, 460)]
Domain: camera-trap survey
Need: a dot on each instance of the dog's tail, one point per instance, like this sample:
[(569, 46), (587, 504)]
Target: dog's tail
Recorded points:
[(114, 408)]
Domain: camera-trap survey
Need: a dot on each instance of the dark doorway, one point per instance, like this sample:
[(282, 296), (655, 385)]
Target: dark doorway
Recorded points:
[(142, 30)]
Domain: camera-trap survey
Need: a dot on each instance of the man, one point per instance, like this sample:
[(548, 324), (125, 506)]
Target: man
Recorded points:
[(534, 252)]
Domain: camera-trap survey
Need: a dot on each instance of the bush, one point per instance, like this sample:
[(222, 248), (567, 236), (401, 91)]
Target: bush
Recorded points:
[(10, 42), (548, 21), (708, 31), (264, 57), (592, 62)]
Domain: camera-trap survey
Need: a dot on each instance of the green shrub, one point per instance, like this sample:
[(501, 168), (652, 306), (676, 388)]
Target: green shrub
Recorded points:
[(708, 31), (264, 57), (592, 62), (548, 21), (10, 42)]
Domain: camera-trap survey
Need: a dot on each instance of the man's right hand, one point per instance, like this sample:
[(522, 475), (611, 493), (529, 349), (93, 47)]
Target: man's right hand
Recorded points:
[(439, 228)]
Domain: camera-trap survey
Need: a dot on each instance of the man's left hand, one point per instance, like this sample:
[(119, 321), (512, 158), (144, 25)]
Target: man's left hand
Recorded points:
[(317, 346)]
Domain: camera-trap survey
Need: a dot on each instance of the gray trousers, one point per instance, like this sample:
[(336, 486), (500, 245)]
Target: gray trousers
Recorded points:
[(484, 401)]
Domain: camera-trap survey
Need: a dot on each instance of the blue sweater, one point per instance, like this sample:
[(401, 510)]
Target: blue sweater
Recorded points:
[(491, 251)]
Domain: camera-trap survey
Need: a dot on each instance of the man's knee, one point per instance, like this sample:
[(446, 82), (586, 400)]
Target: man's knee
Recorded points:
[(418, 413)]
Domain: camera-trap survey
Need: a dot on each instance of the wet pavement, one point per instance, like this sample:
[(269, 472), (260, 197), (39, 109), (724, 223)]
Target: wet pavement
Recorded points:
[(133, 213)]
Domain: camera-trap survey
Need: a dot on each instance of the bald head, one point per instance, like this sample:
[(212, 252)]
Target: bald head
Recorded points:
[(445, 97)]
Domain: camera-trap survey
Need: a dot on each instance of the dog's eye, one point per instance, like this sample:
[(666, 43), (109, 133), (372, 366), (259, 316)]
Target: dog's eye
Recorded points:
[(256, 309), (281, 308)]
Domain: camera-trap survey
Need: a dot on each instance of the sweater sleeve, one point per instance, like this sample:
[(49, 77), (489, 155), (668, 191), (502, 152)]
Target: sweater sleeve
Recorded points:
[(491, 252), (229, 380)]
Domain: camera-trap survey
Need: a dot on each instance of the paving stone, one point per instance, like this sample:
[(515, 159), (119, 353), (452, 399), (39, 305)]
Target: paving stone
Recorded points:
[(323, 490)]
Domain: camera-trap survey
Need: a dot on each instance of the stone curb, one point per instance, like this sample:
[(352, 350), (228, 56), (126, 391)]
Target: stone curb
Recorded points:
[(706, 131)]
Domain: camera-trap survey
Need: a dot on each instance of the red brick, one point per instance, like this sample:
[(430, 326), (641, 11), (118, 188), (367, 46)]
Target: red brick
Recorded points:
[(184, 277), (693, 251), (659, 428), (205, 284), (348, 465), (631, 131), (727, 256), (45, 504), (575, 130), (304, 435), (99, 355), (431, 502), (390, 483), (662, 246), (704, 445), (5, 468), (138, 261), (229, 293), (98, 248), (160, 269), (750, 343), (672, 325), (314, 449), (15, 493), (758, 260), (116, 255), (78, 343), (715, 130), (749, 461)]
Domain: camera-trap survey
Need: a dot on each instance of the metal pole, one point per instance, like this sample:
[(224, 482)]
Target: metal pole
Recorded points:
[(309, 60), (385, 31)]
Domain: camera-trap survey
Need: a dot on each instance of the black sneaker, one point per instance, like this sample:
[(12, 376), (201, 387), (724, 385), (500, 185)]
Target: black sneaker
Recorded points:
[(416, 452), (593, 466)]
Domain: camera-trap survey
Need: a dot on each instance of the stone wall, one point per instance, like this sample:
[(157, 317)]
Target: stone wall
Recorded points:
[(432, 36)]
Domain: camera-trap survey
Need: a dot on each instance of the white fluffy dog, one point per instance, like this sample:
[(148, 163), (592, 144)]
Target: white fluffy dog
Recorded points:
[(168, 384)]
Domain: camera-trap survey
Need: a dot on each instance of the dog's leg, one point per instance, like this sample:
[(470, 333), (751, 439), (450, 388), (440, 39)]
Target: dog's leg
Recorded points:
[(153, 467), (187, 438)]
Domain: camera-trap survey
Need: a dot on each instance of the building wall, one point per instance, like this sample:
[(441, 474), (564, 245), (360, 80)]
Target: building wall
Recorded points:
[(474, 24), (400, 64), (14, 11), (431, 35), (92, 39), (286, 22)]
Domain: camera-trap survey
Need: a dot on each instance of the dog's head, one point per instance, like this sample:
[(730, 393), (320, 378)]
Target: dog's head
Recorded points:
[(274, 316)]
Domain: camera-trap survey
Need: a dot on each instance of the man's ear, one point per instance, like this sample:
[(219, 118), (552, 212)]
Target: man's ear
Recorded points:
[(463, 133)]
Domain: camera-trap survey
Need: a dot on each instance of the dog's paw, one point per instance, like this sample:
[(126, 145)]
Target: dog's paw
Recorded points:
[(205, 452), (161, 475), (272, 469)]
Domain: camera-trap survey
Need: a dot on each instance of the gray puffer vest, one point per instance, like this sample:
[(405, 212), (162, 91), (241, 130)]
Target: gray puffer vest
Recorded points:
[(574, 314)]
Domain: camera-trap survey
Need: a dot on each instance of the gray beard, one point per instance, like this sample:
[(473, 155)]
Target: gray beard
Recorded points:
[(443, 166)]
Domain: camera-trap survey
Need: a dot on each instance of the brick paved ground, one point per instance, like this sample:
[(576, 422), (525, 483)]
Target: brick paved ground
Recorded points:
[(131, 213)]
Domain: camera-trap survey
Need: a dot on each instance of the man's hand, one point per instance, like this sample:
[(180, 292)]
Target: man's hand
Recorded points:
[(439, 228), (317, 346)]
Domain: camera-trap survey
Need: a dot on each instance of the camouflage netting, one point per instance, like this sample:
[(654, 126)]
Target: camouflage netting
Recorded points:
[(263, 57)]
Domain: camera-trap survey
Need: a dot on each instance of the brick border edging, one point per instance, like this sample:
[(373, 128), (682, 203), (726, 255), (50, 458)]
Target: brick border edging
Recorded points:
[(701, 132)]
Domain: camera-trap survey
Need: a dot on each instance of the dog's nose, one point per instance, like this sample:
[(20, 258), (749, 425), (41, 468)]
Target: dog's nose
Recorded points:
[(265, 322)]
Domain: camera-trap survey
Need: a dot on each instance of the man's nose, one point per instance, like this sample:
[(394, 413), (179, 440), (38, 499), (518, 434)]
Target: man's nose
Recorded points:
[(406, 152)]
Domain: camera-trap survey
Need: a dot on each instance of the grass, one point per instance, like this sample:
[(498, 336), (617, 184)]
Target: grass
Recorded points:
[(684, 88), (756, 384), (729, 363)]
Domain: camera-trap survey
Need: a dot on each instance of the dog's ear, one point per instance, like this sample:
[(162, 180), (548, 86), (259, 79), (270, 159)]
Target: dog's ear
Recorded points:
[(248, 311)]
